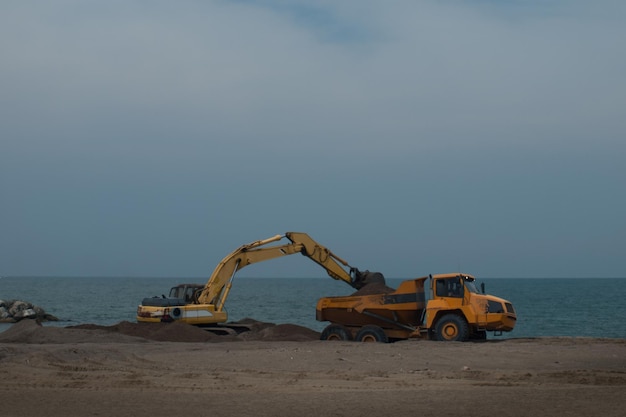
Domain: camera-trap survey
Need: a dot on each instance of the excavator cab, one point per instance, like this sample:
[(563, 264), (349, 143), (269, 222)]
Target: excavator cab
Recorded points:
[(185, 291)]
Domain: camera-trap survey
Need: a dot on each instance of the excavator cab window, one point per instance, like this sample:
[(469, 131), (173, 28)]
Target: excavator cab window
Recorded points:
[(189, 293), (184, 292)]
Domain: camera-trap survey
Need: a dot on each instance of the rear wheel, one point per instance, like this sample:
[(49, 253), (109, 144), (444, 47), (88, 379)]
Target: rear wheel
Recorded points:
[(452, 328), (336, 332), (371, 333)]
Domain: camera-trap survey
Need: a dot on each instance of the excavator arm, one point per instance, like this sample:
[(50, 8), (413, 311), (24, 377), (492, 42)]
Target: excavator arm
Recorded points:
[(218, 286), (324, 258)]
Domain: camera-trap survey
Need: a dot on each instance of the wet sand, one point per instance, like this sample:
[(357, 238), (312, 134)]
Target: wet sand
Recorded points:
[(131, 369)]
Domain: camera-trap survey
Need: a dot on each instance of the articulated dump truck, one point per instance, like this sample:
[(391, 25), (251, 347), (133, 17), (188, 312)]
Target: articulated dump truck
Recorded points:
[(455, 311)]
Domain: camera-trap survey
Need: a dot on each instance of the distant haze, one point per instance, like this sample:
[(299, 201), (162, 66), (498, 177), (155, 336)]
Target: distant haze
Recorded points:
[(410, 137)]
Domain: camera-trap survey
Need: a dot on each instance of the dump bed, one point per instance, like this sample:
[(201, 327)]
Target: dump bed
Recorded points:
[(401, 309)]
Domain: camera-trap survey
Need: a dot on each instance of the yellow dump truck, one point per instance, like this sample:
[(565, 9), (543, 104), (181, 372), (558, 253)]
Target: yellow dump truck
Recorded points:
[(455, 311)]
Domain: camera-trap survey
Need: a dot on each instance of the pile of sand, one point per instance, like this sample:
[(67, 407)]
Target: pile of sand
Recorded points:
[(282, 332), (29, 331)]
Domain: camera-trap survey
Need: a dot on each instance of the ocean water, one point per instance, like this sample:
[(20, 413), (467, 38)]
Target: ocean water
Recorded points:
[(591, 307)]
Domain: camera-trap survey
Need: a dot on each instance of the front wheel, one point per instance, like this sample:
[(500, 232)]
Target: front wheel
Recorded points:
[(452, 328)]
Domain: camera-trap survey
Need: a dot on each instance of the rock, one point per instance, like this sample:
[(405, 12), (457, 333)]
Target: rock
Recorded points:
[(16, 310), (18, 306), (28, 313)]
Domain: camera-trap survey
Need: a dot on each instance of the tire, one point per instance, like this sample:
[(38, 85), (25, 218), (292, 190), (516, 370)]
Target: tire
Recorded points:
[(371, 333), (452, 328), (336, 332)]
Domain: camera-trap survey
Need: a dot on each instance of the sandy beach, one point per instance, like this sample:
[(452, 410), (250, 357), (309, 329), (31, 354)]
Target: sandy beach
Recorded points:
[(131, 369)]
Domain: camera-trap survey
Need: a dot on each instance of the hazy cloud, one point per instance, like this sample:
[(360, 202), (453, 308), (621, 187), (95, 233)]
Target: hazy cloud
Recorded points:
[(151, 138)]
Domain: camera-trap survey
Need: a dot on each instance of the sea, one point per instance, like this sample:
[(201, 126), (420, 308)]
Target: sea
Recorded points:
[(546, 307)]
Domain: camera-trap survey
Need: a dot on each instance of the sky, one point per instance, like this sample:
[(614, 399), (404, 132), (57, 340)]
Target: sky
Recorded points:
[(152, 138)]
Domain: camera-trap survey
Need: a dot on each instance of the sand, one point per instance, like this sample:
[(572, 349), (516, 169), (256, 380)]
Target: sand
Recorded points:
[(283, 370)]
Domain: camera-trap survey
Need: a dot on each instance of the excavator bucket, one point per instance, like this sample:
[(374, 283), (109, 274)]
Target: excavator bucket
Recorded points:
[(361, 279)]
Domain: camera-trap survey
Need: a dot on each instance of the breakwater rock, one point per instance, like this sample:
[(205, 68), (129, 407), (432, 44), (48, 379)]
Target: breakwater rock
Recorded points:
[(12, 311)]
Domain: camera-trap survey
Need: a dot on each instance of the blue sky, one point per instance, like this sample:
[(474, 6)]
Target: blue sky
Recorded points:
[(410, 137)]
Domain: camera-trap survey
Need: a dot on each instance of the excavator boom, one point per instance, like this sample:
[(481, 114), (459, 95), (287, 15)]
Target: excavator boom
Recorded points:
[(206, 306), (219, 283)]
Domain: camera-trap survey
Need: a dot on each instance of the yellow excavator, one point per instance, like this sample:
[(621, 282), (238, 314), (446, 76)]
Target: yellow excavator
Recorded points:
[(203, 305)]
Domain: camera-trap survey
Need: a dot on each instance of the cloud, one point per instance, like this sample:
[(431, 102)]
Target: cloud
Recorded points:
[(434, 69), (254, 116)]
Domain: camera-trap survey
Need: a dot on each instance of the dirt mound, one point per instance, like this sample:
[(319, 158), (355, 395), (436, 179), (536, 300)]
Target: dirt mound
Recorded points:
[(181, 332), (282, 332), (29, 331), (162, 332)]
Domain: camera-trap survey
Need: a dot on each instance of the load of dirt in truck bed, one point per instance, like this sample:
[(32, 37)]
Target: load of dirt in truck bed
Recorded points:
[(374, 288), (29, 331)]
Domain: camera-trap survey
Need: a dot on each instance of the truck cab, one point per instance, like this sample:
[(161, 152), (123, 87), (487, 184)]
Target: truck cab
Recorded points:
[(458, 311)]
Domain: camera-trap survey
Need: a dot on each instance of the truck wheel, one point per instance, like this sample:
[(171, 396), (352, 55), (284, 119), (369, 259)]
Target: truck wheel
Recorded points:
[(336, 332), (452, 328), (371, 333)]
